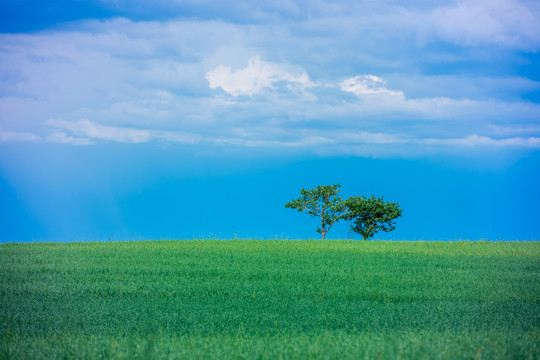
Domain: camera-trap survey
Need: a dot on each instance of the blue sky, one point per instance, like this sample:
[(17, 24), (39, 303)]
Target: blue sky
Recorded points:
[(186, 119)]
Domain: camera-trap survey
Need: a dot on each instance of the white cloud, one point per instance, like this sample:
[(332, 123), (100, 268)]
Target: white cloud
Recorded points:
[(507, 23), (367, 85), (263, 137), (464, 86), (87, 132), (91, 130), (453, 115), (252, 79), (505, 130), (364, 137), (17, 136), (62, 138), (54, 137), (476, 140), (301, 142)]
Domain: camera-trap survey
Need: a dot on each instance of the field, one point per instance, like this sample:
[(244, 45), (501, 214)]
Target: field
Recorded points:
[(270, 299)]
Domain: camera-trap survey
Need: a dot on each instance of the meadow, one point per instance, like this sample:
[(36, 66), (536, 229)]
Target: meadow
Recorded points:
[(270, 299)]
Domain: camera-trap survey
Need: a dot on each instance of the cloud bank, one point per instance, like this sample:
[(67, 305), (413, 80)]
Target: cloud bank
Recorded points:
[(252, 79), (351, 78)]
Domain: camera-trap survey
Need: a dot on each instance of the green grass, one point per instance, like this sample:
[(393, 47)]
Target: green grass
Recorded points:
[(270, 299)]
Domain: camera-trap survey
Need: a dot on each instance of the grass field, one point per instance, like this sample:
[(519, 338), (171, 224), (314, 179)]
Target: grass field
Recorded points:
[(270, 299)]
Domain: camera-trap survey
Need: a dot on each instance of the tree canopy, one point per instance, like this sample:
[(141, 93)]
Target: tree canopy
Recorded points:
[(322, 202), (371, 215)]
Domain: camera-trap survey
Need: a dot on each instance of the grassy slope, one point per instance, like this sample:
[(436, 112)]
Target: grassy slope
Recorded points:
[(215, 299)]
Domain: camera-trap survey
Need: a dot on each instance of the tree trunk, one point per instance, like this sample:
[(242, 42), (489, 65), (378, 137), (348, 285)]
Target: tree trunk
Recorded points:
[(323, 233)]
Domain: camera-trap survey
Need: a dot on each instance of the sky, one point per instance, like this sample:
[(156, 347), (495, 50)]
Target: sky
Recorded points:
[(193, 119)]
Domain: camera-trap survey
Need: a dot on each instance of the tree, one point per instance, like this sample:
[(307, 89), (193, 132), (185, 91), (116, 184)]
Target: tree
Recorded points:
[(321, 202), (371, 215)]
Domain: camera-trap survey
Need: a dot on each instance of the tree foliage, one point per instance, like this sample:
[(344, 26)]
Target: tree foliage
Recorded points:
[(322, 202), (371, 215)]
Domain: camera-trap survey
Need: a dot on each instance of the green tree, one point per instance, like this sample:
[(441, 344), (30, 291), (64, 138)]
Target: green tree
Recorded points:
[(371, 215), (321, 202)]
